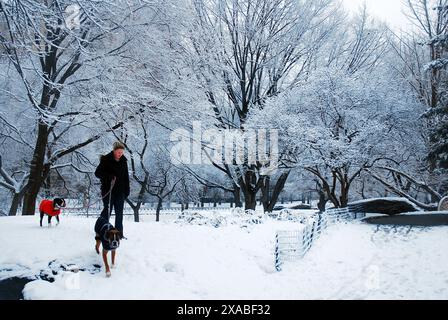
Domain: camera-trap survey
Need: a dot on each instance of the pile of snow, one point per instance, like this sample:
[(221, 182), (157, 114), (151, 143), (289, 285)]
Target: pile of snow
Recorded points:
[(181, 261), (398, 201)]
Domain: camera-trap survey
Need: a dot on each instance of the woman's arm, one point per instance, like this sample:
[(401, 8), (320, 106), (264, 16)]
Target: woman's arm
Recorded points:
[(100, 170)]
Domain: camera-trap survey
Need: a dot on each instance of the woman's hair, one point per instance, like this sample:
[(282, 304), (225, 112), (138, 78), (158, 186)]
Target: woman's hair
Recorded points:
[(118, 145)]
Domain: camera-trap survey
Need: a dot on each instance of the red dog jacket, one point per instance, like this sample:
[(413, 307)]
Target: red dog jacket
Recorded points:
[(46, 206)]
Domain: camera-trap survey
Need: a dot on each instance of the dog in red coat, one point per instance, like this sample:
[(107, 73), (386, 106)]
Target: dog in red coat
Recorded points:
[(51, 208)]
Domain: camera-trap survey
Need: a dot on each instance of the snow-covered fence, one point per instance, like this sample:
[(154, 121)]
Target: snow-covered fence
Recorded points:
[(150, 211), (293, 245), (142, 212), (80, 210)]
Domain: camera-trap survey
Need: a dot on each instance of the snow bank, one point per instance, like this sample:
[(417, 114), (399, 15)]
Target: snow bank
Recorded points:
[(391, 199), (181, 261)]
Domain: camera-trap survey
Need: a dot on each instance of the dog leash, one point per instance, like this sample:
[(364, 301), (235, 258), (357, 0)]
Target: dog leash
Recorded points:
[(109, 211), (109, 193)]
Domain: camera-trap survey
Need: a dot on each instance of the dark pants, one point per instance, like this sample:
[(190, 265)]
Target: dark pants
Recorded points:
[(49, 218), (117, 204)]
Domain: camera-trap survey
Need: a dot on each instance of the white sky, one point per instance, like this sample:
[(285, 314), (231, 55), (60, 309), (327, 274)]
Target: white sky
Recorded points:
[(390, 11)]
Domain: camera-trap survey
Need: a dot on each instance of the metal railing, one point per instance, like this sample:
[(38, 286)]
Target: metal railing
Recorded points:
[(293, 245)]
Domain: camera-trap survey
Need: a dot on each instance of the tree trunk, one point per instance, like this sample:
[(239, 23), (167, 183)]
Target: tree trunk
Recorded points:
[(237, 196), (343, 199), (136, 213), (322, 201), (37, 173), (265, 190), (250, 185), (432, 159), (17, 198), (159, 207), (250, 199), (140, 197), (269, 201)]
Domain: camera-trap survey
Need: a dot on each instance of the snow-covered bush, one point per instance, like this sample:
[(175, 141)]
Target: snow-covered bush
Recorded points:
[(218, 219), (237, 211), (239, 217), (207, 219)]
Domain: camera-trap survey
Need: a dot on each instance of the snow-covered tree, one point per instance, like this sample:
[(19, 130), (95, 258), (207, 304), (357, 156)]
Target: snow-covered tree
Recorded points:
[(438, 115), (52, 46), (419, 62), (337, 124), (165, 177), (246, 51), (83, 73)]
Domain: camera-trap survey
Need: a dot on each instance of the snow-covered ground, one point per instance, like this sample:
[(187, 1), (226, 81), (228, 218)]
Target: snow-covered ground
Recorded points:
[(169, 260)]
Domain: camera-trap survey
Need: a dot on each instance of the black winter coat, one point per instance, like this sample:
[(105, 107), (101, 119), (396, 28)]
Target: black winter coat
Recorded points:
[(109, 168), (101, 228)]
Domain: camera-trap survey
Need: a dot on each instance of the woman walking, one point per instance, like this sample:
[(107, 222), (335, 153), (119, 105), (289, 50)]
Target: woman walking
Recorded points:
[(113, 171)]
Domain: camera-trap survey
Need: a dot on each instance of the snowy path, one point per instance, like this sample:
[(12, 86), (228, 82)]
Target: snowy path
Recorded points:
[(359, 262), (169, 261)]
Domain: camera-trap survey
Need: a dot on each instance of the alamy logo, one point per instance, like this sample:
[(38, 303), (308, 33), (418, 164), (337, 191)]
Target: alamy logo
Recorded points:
[(372, 280), (72, 279), (226, 146), (72, 17)]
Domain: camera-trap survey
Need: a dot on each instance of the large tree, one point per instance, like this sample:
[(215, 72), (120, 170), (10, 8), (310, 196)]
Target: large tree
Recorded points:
[(439, 113), (249, 50), (72, 63), (421, 63), (338, 124)]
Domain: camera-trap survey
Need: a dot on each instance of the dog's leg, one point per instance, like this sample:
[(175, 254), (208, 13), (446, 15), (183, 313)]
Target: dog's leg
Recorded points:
[(49, 220), (97, 245), (113, 258), (106, 264), (41, 217), (57, 219)]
